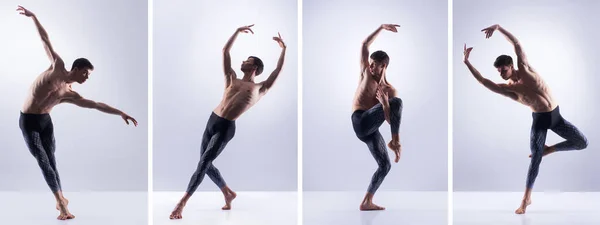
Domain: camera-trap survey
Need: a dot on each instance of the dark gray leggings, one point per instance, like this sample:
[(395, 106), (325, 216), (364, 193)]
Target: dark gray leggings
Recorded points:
[(38, 132), (366, 126), (575, 140), (219, 131)]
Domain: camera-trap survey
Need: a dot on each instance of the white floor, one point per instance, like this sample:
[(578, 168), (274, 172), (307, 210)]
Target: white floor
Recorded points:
[(91, 208), (405, 208), (572, 208), (249, 208)]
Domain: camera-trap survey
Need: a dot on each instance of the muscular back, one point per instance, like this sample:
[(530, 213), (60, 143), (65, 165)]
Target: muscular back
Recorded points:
[(48, 90), (238, 97), (365, 96), (532, 91)]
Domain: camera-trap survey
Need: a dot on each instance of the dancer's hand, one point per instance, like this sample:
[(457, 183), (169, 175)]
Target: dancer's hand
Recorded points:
[(246, 29), (382, 96), (279, 40), (490, 30), (23, 11), (127, 118), (390, 27), (396, 148), (467, 52)]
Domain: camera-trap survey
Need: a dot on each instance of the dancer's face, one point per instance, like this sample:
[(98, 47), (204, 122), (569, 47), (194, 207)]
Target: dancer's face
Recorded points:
[(81, 75), (248, 65), (376, 68), (506, 72)]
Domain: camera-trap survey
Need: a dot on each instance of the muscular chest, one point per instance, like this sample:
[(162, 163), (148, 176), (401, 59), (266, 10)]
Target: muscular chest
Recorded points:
[(245, 90)]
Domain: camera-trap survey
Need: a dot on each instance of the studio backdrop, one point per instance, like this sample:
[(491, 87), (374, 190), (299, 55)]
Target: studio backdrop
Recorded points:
[(94, 151), (333, 157), (189, 84), (491, 132)]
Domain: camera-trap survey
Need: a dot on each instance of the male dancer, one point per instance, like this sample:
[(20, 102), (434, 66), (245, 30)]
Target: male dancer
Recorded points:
[(239, 96), (51, 88), (375, 101), (526, 86)]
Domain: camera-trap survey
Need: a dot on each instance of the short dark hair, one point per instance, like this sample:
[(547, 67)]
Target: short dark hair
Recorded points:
[(259, 64), (380, 57), (503, 60), (82, 63)]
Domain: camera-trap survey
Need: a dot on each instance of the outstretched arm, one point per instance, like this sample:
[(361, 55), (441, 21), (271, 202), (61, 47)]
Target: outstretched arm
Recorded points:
[(54, 58), (364, 53), (78, 100), (486, 82), (227, 70), (522, 62), (266, 85)]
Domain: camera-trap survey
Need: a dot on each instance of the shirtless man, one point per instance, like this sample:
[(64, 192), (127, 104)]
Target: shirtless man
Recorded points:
[(526, 86), (239, 96), (375, 101), (51, 88)]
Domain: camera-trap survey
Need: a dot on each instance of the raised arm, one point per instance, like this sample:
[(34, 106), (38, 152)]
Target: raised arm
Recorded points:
[(227, 70), (54, 58), (80, 101), (266, 85), (364, 53), (486, 82), (522, 62)]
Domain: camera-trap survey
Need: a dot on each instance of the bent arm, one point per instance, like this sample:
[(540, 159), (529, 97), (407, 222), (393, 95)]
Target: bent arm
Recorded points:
[(54, 58), (227, 70), (275, 74), (364, 54), (489, 84), (521, 57)]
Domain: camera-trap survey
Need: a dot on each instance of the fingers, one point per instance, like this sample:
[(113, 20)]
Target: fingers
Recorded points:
[(135, 123), (278, 34)]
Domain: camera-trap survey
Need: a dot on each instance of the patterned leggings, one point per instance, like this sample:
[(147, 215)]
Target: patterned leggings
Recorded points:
[(366, 126), (574, 139)]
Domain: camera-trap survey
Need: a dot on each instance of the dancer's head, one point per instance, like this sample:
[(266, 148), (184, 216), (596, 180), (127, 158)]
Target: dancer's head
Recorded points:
[(253, 64), (81, 70), (504, 65), (379, 62)]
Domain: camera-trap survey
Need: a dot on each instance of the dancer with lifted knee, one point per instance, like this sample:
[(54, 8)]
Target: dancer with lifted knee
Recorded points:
[(51, 88), (375, 102), (239, 96), (526, 86)]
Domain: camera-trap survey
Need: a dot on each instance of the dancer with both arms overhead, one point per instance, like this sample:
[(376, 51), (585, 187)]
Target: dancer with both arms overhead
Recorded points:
[(239, 96), (526, 86)]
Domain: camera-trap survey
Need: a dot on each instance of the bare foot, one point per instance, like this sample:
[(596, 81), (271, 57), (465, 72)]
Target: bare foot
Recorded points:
[(523, 207), (64, 212), (65, 201), (176, 214), (395, 146), (547, 150), (370, 206), (228, 198)]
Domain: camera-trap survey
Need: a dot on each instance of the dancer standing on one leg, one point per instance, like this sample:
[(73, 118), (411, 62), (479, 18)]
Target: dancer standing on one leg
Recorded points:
[(526, 86), (51, 88), (239, 96), (375, 101)]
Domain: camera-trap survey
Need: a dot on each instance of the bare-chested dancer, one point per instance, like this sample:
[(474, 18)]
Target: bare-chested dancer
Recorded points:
[(239, 96), (526, 86), (51, 88), (375, 101)]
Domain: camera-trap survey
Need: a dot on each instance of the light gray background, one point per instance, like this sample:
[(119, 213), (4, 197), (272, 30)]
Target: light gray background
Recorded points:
[(491, 132), (334, 158), (189, 84), (95, 151)]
